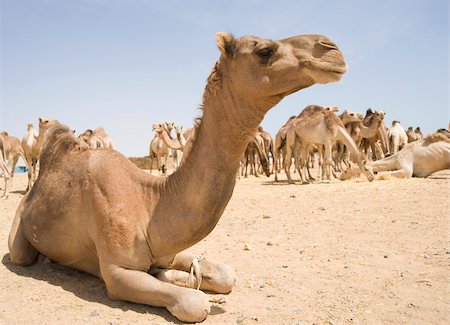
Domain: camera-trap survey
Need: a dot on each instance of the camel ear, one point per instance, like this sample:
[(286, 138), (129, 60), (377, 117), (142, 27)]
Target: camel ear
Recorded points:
[(226, 43)]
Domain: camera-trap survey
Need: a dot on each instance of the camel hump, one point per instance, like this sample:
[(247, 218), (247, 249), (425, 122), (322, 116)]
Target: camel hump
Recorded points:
[(435, 137), (59, 140)]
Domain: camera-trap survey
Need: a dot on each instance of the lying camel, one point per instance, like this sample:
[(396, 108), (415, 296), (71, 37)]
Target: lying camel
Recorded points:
[(96, 211), (419, 158)]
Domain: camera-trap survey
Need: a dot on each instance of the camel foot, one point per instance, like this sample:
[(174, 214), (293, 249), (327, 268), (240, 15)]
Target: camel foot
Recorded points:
[(191, 306)]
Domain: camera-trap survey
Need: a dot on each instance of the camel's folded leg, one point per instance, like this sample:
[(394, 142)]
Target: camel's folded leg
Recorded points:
[(216, 277), (188, 305), (401, 173), (21, 252)]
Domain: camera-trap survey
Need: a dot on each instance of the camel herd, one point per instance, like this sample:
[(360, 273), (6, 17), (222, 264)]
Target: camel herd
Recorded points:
[(90, 208), (335, 142)]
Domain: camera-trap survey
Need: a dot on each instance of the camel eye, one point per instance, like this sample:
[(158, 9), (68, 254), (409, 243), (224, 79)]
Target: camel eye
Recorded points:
[(265, 53)]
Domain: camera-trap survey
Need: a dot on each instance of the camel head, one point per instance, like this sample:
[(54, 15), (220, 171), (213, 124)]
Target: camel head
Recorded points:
[(169, 126), (332, 109), (30, 126), (159, 128), (45, 123), (378, 115), (264, 71), (349, 116), (178, 129)]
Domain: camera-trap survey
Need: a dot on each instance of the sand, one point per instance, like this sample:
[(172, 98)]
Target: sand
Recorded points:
[(349, 252)]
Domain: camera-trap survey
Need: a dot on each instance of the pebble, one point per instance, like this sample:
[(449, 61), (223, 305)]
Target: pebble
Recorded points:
[(94, 313)]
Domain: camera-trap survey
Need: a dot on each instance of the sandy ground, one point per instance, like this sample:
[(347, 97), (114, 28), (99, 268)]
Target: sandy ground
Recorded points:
[(349, 252)]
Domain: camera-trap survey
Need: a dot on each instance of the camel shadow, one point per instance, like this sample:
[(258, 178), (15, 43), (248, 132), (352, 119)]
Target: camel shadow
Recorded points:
[(284, 183), (21, 192), (83, 285)]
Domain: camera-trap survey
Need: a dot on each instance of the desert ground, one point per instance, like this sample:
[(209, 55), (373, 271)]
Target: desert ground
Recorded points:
[(348, 252)]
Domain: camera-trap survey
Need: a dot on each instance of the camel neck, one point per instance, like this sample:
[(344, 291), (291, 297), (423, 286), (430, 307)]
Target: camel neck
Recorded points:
[(171, 143), (196, 195), (368, 131)]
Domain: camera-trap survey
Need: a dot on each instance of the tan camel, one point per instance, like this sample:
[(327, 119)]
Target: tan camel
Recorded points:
[(104, 137), (160, 145), (279, 147), (255, 152), (11, 152), (91, 139), (414, 134), (111, 219), (268, 143), (4, 172), (397, 137), (157, 151), (419, 158), (32, 145), (180, 136), (316, 125), (379, 143)]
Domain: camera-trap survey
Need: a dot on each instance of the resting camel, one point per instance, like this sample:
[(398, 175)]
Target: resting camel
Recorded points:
[(419, 158), (111, 219), (11, 152), (32, 145)]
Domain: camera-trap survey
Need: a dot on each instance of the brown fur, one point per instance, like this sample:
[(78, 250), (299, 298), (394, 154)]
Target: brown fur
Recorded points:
[(99, 213), (435, 137), (312, 117), (59, 140)]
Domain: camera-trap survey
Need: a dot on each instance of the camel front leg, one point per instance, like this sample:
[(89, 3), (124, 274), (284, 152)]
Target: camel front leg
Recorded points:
[(188, 305), (215, 277), (21, 252)]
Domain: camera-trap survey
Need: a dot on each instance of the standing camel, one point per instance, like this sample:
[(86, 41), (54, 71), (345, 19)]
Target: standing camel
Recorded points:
[(96, 211), (32, 145), (11, 149), (320, 126), (160, 145), (397, 137)]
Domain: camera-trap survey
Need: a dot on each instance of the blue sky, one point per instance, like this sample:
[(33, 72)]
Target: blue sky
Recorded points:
[(124, 64)]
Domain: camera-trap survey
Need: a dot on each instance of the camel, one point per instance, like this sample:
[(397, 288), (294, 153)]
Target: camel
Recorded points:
[(279, 151), (180, 136), (32, 145), (160, 145), (420, 158), (267, 141), (321, 126), (11, 152), (91, 139), (414, 134), (104, 137), (109, 218), (397, 137), (256, 151)]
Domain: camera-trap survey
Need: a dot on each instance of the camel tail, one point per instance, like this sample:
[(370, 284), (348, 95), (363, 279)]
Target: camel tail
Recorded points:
[(59, 140)]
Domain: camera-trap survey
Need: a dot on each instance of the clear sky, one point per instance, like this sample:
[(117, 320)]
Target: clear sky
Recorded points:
[(125, 64)]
